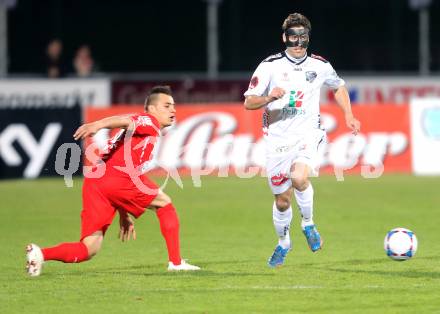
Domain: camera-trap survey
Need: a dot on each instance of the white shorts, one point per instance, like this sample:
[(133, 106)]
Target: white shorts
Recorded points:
[(280, 156)]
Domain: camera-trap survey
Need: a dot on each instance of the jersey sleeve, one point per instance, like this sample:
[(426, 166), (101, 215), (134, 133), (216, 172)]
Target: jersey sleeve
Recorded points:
[(331, 78), (259, 83), (145, 125)]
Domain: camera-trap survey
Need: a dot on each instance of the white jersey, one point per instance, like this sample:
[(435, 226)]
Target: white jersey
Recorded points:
[(297, 113)]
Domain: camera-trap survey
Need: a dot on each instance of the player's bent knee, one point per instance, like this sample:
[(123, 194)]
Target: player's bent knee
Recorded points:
[(161, 200), (93, 243), (93, 251), (167, 200), (282, 201), (300, 183), (282, 204)]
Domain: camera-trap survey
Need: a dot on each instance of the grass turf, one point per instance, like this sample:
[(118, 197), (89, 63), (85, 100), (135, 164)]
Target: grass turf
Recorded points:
[(226, 228)]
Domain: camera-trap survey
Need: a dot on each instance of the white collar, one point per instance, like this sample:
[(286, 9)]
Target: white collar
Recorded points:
[(295, 60)]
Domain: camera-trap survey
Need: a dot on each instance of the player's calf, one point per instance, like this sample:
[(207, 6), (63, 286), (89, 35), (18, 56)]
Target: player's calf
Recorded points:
[(68, 252)]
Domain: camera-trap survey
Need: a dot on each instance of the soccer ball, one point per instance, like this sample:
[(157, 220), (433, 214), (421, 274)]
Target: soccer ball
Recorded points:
[(400, 244)]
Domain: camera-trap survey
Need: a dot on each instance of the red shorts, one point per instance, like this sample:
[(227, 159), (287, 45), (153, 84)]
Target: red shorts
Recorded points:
[(104, 196)]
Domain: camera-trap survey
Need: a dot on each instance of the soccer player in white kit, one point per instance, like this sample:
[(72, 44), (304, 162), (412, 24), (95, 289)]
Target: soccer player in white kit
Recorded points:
[(288, 86)]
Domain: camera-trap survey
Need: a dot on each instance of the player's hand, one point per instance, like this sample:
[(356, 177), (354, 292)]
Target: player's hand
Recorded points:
[(277, 93), (126, 227), (353, 124), (85, 130)]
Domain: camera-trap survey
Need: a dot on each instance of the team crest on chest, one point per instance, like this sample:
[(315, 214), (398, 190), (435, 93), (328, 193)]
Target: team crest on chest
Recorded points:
[(310, 76), (285, 77)]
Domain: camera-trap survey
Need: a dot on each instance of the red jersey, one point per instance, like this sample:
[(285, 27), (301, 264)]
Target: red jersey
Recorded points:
[(131, 153)]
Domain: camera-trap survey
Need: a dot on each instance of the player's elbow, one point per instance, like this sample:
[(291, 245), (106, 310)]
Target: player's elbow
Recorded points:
[(340, 90), (248, 104)]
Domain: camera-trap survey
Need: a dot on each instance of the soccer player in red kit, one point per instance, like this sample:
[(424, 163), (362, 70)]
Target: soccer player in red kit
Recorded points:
[(118, 184)]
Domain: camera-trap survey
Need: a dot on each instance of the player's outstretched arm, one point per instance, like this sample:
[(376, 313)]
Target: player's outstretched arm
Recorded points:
[(90, 129), (343, 100), (254, 102)]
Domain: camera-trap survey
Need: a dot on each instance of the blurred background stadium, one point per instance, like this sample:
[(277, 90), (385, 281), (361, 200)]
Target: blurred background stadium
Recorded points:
[(57, 56), (67, 62)]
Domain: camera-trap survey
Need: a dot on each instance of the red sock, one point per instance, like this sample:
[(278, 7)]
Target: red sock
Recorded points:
[(75, 252), (169, 226)]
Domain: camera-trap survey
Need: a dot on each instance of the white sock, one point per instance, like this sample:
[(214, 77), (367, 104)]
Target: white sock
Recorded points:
[(304, 200), (281, 221)]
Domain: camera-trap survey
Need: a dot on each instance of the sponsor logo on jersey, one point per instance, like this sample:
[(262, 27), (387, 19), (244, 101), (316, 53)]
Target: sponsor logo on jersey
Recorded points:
[(288, 112), (310, 76), (296, 98), (279, 179), (144, 121), (254, 82), (293, 108)]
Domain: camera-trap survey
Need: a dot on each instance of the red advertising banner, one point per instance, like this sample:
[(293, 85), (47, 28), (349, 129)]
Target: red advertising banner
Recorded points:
[(224, 137), (384, 138)]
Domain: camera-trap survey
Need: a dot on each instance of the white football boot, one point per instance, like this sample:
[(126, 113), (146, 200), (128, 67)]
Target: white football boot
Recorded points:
[(183, 266), (34, 260)]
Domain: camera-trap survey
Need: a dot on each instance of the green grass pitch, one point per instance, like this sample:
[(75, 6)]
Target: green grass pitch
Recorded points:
[(226, 228)]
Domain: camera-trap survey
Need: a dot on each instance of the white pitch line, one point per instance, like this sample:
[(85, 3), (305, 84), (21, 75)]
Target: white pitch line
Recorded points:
[(268, 288)]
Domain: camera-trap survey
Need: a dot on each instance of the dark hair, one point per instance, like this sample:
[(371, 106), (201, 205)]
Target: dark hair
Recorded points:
[(296, 19), (152, 94)]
